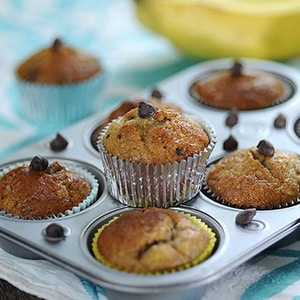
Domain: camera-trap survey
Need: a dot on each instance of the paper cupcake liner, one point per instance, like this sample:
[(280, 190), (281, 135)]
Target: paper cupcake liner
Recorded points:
[(155, 185), (289, 89), (88, 201), (59, 105), (202, 257), (206, 190)]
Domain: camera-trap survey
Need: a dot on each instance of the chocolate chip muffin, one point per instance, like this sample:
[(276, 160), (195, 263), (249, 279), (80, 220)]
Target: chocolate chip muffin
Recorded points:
[(240, 88), (260, 177), (59, 85), (40, 190), (128, 105), (154, 135), (155, 156), (59, 64), (153, 240)]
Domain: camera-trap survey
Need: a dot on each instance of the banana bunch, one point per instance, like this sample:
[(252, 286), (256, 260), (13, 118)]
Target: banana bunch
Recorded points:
[(266, 29)]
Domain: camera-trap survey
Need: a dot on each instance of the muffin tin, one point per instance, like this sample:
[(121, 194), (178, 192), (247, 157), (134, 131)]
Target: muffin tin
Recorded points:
[(236, 243)]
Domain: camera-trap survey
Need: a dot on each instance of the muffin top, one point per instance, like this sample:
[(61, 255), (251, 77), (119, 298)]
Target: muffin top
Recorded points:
[(58, 64), (126, 106), (241, 89), (152, 240), (40, 190), (256, 177), (153, 135)]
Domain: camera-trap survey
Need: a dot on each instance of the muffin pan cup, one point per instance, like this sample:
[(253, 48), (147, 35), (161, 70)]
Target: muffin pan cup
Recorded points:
[(235, 243)]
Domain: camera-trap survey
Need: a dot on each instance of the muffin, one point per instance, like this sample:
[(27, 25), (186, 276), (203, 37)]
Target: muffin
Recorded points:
[(155, 156), (41, 190), (153, 240), (261, 177), (126, 106), (59, 84), (237, 88)]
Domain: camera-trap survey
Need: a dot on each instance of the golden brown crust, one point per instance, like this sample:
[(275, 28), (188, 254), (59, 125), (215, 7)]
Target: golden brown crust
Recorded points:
[(252, 90), (150, 240), (247, 178), (127, 106), (165, 137), (28, 193), (58, 65)]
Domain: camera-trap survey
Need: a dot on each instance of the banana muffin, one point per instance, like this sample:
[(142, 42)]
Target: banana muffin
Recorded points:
[(240, 88), (154, 135), (58, 64), (153, 240), (126, 106), (41, 190), (262, 177), (155, 156), (59, 85)]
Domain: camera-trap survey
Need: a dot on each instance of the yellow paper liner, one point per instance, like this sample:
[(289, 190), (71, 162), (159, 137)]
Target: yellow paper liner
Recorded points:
[(203, 256)]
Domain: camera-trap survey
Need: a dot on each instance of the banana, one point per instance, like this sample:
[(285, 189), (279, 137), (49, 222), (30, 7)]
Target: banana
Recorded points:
[(266, 29)]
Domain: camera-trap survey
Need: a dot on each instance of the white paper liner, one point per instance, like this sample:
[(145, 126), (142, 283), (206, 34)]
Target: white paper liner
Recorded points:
[(155, 185), (90, 199)]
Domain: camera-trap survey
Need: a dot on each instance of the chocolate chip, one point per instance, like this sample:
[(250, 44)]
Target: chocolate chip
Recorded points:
[(180, 151), (54, 232), (146, 110), (59, 143), (57, 44), (232, 118), (39, 163), (280, 121), (230, 144), (119, 136), (266, 148), (246, 216), (156, 94), (236, 69)]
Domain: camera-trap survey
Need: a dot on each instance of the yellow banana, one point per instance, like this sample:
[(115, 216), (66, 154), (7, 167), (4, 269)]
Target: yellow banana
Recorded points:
[(226, 28)]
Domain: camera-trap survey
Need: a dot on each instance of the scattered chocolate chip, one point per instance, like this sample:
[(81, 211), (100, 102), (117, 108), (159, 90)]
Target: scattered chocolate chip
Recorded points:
[(57, 44), (59, 143), (236, 69), (146, 110), (232, 118), (266, 148), (180, 151), (39, 163), (246, 216), (230, 144), (156, 94), (119, 136), (107, 136), (280, 121), (54, 232)]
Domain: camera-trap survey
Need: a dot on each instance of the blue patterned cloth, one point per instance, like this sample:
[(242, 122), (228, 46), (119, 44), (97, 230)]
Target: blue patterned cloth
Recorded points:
[(135, 59)]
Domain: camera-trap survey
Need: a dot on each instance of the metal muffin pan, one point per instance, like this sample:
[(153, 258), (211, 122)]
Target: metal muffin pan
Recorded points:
[(236, 244)]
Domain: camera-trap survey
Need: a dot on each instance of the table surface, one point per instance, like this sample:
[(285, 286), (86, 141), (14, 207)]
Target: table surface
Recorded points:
[(10, 292), (135, 58)]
